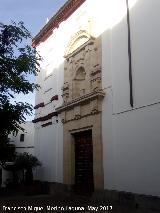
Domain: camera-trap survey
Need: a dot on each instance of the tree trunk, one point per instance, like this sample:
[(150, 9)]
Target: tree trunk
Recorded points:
[(29, 176)]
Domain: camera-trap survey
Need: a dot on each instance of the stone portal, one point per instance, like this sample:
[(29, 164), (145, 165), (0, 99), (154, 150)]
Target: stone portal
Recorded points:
[(81, 111)]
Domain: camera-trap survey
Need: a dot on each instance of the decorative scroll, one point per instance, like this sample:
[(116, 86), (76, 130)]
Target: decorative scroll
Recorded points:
[(54, 98)]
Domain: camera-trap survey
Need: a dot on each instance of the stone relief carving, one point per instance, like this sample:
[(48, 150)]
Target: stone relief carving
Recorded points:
[(82, 75), (65, 89), (76, 41)]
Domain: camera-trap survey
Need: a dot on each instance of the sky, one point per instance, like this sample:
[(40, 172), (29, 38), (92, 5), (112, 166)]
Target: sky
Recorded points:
[(34, 14)]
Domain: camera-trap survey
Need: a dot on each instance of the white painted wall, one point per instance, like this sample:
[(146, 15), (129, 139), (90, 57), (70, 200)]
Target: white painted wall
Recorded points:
[(20, 147), (137, 150), (131, 139), (130, 136), (49, 140), (28, 144), (49, 150)]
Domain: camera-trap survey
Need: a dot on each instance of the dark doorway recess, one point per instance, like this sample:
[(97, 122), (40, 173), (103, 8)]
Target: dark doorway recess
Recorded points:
[(84, 183), (0, 177)]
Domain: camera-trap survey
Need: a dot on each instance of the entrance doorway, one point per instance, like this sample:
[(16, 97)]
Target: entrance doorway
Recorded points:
[(84, 183)]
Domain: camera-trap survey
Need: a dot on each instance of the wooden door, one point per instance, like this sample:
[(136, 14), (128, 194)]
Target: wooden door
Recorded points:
[(84, 162)]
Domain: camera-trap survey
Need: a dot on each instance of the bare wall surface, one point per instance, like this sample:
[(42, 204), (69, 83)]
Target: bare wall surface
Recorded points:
[(131, 139)]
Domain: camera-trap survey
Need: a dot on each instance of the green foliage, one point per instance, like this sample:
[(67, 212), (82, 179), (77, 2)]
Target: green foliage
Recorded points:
[(17, 61), (7, 152), (26, 161)]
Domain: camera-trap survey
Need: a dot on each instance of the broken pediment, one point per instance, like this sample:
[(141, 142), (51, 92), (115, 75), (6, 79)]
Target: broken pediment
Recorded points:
[(80, 38)]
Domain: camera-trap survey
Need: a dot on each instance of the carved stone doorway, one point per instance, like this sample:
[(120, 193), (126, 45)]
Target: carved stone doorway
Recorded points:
[(84, 183), (82, 109)]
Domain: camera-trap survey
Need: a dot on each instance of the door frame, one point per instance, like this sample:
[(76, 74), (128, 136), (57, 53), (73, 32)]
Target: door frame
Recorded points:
[(87, 123)]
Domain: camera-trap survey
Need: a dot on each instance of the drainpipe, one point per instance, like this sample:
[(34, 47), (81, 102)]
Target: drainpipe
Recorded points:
[(129, 55)]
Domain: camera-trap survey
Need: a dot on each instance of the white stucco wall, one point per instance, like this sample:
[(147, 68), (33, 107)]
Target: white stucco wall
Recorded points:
[(49, 150), (131, 139), (20, 147), (49, 140), (28, 144), (130, 136)]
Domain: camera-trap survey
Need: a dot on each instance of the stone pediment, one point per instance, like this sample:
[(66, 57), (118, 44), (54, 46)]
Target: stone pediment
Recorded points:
[(78, 40)]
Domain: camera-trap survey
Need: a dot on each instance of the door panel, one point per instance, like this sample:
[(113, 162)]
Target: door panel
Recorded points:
[(84, 162)]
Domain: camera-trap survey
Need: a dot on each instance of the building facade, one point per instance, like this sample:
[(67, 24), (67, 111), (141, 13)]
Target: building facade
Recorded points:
[(97, 112), (24, 142)]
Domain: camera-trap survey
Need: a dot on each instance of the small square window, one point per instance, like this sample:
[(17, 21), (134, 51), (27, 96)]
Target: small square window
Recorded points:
[(21, 137)]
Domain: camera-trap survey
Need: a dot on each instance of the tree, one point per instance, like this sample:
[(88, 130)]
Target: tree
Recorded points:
[(7, 152), (26, 162), (17, 61)]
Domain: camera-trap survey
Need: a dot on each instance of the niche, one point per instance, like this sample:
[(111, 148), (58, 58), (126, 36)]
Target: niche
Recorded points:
[(79, 83)]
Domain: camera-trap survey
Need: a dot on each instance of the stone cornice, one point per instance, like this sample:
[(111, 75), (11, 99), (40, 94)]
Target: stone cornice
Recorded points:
[(63, 13), (46, 124), (39, 105), (54, 98), (79, 101), (45, 118)]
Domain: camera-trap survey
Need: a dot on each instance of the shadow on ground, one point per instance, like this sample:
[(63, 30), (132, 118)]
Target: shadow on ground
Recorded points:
[(16, 199)]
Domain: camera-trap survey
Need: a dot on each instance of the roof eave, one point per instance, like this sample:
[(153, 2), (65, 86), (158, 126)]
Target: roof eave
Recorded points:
[(63, 13)]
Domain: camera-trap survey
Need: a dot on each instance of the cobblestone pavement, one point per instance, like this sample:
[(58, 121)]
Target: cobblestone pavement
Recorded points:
[(57, 203)]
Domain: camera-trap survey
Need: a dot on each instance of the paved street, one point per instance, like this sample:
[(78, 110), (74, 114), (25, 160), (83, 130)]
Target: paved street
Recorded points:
[(57, 203)]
